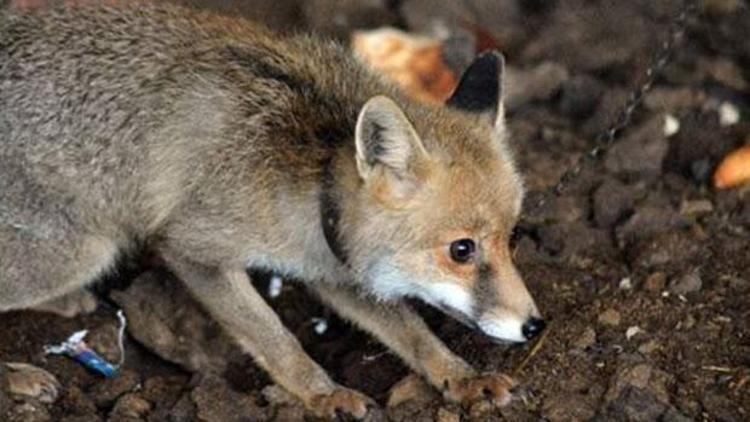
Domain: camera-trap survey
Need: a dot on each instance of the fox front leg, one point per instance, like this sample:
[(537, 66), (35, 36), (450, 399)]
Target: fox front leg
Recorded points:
[(404, 332), (229, 297)]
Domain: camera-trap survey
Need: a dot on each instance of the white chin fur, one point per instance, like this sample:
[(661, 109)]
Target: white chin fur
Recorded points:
[(390, 283), (450, 295), (506, 329)]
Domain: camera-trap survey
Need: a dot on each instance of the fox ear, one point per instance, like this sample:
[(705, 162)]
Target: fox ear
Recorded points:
[(480, 89), (385, 137)]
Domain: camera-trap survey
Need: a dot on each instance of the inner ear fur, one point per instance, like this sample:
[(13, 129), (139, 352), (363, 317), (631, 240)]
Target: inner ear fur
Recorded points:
[(386, 139)]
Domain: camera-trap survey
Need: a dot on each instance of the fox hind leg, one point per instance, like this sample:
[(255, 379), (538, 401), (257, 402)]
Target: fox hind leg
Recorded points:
[(38, 267)]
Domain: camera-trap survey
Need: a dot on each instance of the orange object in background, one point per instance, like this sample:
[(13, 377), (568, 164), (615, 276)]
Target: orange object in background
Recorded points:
[(414, 62), (734, 170)]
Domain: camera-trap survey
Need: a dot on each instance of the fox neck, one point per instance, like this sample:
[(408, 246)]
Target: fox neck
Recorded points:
[(330, 215)]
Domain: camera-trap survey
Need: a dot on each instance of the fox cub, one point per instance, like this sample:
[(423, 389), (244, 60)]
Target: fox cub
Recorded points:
[(221, 146)]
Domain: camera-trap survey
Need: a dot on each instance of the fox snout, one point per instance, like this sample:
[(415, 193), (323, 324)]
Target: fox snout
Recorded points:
[(506, 311), (512, 329)]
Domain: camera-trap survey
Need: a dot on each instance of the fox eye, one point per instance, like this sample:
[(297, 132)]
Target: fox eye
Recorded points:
[(462, 250)]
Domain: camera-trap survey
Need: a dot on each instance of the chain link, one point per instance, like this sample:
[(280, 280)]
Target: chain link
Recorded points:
[(606, 138)]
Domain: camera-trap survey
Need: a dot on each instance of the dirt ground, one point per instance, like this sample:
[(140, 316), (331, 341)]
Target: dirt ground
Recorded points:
[(641, 266)]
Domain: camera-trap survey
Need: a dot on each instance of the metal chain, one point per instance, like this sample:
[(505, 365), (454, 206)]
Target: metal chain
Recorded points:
[(606, 138)]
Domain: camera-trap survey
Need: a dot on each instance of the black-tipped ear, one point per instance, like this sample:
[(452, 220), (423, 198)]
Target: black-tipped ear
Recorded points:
[(481, 86)]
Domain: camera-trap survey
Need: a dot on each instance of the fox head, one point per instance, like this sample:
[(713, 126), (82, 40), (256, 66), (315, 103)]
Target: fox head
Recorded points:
[(437, 200)]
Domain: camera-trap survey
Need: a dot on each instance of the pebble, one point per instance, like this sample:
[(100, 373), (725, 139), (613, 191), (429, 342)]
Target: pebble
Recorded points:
[(29, 381), (613, 200), (689, 282), (739, 284), (610, 317), (274, 286), (320, 325), (480, 410), (106, 392), (649, 347), (626, 283), (640, 152), (729, 114), (536, 84), (632, 331), (29, 411), (579, 96), (671, 125), (655, 282), (216, 401), (697, 207), (130, 406), (586, 339), (688, 322), (445, 415)]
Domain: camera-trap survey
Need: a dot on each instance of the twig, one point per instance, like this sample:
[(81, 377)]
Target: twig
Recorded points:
[(534, 350)]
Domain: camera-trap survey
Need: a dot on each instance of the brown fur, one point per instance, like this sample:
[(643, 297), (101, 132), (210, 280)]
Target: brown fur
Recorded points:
[(207, 139)]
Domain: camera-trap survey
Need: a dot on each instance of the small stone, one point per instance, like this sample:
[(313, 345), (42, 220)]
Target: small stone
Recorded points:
[(130, 406), (640, 152), (673, 247), (106, 392), (445, 415), (320, 325), (215, 401), (671, 125), (75, 401), (649, 347), (28, 381), (688, 283), (274, 286), (655, 282), (632, 331), (536, 84), (652, 217), (673, 415), (729, 114), (610, 317), (613, 200), (626, 283), (696, 208), (480, 410), (566, 406), (739, 284), (183, 410), (721, 7), (27, 411), (688, 322), (579, 96), (586, 339)]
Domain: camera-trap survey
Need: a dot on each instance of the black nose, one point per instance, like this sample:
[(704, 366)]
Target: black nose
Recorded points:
[(532, 327)]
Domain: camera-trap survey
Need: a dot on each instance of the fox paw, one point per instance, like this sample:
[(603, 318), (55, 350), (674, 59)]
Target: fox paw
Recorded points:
[(341, 401), (493, 387), (27, 380)]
